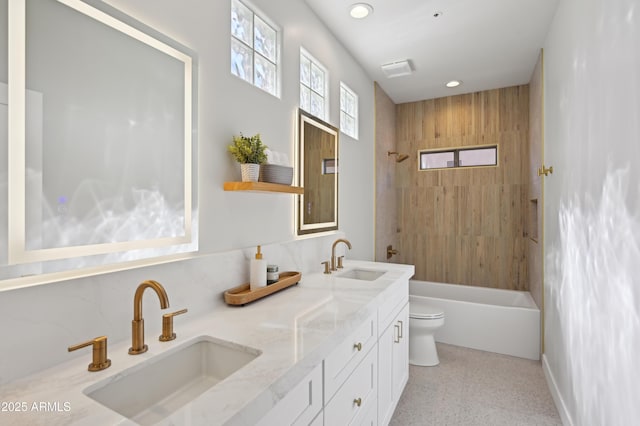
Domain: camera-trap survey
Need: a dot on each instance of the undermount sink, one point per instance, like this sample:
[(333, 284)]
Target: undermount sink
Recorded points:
[(158, 387), (362, 274)]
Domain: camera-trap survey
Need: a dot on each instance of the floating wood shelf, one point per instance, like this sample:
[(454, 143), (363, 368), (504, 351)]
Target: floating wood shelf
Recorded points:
[(262, 187)]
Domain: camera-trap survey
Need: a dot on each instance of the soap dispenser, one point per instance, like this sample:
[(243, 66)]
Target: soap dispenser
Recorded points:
[(258, 272)]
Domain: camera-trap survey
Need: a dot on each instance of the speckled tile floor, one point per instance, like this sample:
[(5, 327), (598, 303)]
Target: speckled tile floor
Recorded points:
[(472, 387)]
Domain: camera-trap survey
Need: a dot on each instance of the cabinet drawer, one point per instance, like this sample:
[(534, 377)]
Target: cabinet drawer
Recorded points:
[(390, 308), (300, 405), (355, 401), (341, 362)]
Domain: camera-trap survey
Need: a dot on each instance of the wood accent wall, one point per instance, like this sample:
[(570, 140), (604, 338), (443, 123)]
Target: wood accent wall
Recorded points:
[(465, 226), (386, 207)]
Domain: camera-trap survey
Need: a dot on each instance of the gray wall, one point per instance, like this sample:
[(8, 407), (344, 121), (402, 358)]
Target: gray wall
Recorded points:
[(592, 221)]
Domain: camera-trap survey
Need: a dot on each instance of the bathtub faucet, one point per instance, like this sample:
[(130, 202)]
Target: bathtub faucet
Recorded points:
[(333, 251)]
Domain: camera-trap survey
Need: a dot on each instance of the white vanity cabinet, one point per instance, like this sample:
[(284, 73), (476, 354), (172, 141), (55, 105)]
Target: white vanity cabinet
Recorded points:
[(355, 401), (362, 378), (393, 358), (301, 406)]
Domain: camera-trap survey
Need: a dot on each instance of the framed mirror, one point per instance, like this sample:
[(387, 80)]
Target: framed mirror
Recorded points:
[(99, 164), (317, 165)]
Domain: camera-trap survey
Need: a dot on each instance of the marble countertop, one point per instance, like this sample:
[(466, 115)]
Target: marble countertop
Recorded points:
[(294, 329)]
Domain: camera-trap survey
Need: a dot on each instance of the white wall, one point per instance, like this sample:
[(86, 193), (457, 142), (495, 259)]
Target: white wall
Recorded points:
[(592, 205), (229, 105), (47, 319)]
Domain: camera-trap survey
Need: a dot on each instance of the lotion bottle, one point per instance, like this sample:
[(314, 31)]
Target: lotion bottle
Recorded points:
[(258, 272)]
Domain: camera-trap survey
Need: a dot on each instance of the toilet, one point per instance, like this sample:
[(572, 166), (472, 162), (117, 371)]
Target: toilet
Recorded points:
[(424, 320)]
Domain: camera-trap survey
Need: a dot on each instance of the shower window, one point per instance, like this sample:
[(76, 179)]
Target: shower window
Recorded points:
[(459, 157)]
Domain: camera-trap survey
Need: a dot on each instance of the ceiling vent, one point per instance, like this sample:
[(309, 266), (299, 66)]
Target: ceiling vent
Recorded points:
[(397, 69)]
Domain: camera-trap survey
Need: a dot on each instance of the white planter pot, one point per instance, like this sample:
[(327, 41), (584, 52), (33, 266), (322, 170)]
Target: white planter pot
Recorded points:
[(250, 172)]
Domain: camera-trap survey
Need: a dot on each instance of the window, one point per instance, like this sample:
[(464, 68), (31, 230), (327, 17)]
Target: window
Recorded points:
[(348, 111), (313, 86), (460, 157), (254, 48)]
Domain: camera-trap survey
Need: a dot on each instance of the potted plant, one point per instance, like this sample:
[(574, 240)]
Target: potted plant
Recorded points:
[(250, 153)]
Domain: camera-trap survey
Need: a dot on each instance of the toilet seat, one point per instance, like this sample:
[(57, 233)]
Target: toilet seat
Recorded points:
[(420, 310)]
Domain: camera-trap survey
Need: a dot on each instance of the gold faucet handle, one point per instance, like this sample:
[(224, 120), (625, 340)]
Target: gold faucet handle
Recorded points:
[(326, 267), (167, 325), (340, 262), (100, 361)]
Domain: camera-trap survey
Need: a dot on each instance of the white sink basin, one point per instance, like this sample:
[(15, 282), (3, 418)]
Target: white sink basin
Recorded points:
[(362, 274), (149, 392)]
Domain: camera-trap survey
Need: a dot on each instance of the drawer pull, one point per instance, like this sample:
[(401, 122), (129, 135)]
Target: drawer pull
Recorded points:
[(396, 336), (358, 346), (401, 329), (358, 401)]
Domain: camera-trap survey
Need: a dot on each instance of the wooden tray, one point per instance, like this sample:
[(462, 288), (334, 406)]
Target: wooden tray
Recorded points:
[(242, 294)]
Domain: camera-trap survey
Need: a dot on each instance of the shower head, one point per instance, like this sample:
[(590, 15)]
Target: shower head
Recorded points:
[(399, 157)]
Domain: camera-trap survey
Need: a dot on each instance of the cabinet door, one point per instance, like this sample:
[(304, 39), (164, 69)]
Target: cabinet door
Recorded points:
[(400, 353), (385, 375), (393, 365)]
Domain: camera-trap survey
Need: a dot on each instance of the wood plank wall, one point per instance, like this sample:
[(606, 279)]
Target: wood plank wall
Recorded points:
[(465, 226), (386, 207)]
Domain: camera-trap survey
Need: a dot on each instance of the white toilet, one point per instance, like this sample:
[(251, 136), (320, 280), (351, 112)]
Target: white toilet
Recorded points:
[(424, 320)]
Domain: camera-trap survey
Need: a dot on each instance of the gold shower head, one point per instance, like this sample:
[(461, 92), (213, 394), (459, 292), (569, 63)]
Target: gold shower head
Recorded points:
[(399, 157)]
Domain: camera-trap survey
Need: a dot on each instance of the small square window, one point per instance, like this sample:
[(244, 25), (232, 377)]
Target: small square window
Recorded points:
[(254, 48), (348, 111), (313, 86)]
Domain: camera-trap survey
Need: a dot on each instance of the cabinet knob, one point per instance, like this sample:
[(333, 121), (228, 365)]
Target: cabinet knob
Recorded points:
[(398, 335), (358, 346), (358, 401), (401, 329)]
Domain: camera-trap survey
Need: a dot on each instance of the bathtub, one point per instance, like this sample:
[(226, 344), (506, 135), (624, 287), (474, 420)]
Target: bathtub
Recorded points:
[(493, 320)]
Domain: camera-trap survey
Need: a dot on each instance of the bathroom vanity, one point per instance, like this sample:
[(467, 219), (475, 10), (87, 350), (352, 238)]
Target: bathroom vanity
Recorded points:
[(331, 350)]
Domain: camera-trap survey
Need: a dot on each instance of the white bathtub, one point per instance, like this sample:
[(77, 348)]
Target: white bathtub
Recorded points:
[(493, 320)]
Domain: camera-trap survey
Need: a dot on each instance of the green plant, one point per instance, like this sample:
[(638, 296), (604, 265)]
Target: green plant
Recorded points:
[(248, 149)]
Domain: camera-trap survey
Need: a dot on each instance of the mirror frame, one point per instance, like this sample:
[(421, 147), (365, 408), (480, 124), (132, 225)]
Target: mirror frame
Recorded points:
[(303, 228), (17, 251)]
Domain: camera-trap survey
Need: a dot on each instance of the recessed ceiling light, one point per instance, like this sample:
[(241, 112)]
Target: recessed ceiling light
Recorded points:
[(453, 83), (360, 10)]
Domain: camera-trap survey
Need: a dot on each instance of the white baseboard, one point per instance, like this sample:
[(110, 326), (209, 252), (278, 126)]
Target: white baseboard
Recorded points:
[(555, 393)]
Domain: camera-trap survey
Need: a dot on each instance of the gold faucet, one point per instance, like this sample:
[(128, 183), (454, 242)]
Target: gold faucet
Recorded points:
[(100, 360), (137, 325), (333, 251)]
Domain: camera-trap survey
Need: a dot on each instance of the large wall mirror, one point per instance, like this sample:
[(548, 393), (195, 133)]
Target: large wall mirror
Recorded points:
[(317, 208), (98, 117)]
